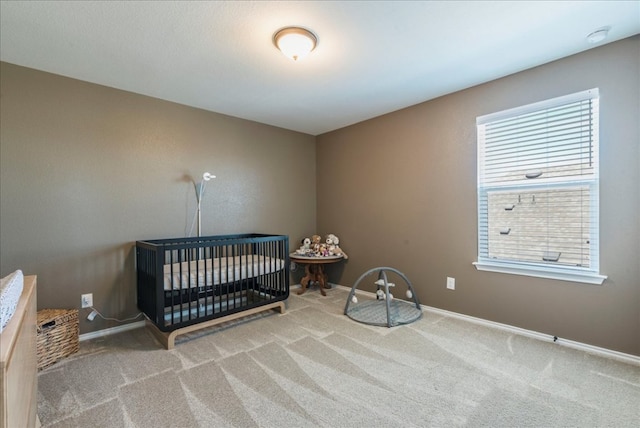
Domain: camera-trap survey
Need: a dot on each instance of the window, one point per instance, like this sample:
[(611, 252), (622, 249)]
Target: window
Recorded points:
[(538, 189)]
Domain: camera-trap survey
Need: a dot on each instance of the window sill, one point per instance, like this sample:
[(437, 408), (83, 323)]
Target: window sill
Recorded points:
[(538, 272)]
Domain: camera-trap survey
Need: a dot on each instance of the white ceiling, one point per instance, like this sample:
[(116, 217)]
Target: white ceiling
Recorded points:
[(373, 57)]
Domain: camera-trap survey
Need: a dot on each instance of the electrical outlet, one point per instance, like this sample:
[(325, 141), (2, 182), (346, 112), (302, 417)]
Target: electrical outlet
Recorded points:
[(451, 283), (86, 300)]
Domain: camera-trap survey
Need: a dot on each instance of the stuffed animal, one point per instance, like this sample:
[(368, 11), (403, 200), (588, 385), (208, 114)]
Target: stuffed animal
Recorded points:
[(323, 250), (315, 243), (334, 249), (305, 248), (306, 244)]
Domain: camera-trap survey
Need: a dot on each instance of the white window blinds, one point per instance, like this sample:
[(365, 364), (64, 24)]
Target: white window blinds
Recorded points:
[(538, 187)]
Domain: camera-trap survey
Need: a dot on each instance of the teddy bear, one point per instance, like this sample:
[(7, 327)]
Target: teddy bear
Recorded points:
[(315, 244)]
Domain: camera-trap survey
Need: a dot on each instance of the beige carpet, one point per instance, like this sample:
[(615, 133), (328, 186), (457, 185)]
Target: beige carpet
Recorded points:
[(312, 366)]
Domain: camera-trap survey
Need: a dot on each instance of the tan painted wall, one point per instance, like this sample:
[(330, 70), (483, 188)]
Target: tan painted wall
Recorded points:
[(87, 170), (400, 190)]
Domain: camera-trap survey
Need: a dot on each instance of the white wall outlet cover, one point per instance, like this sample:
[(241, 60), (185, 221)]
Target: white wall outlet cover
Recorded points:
[(451, 283), (86, 300)]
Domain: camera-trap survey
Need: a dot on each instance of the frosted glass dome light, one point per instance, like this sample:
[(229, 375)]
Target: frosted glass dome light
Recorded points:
[(295, 42)]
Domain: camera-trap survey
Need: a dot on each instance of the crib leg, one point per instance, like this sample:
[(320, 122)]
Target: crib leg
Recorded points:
[(167, 340)]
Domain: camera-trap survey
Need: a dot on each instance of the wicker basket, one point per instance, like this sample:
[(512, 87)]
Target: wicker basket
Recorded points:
[(58, 332)]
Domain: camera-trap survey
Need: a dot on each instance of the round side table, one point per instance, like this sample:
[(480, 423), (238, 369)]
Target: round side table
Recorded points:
[(314, 270)]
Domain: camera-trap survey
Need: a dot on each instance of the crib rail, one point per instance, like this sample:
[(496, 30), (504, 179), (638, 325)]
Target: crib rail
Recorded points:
[(184, 281)]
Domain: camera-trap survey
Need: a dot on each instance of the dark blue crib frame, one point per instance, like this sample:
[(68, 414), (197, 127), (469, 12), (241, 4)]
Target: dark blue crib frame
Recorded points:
[(193, 306)]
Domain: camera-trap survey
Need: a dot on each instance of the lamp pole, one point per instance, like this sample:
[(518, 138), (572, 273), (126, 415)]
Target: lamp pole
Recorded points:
[(199, 217), (199, 192)]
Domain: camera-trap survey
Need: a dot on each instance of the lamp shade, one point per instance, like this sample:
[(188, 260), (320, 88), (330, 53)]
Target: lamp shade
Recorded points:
[(295, 42)]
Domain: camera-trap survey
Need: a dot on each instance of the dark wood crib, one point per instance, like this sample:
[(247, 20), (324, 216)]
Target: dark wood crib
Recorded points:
[(185, 284)]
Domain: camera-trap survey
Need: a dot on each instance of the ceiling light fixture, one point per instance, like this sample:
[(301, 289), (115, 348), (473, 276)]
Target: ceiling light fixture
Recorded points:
[(295, 42), (598, 35)]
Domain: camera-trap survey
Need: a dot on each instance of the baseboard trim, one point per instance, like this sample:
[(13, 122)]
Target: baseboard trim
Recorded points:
[(111, 330), (603, 352)]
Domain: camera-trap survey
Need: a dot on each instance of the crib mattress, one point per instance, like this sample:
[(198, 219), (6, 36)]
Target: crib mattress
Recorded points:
[(208, 272)]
